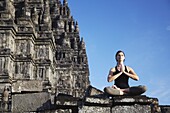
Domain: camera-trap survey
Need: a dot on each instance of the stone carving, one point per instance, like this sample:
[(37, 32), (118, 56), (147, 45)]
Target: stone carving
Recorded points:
[(74, 43), (2, 64), (46, 17), (41, 73), (60, 24), (3, 40), (23, 48), (76, 27), (42, 52), (5, 98), (67, 26), (25, 12), (72, 28), (55, 9), (82, 44), (11, 7), (66, 41), (61, 10), (22, 70), (35, 16)]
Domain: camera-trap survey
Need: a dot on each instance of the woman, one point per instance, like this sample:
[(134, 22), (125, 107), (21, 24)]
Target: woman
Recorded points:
[(121, 74)]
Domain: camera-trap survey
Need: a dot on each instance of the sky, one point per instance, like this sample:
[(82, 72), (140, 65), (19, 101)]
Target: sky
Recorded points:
[(141, 28)]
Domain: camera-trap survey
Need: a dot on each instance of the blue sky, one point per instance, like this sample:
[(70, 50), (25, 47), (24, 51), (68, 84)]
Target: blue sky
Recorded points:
[(141, 28)]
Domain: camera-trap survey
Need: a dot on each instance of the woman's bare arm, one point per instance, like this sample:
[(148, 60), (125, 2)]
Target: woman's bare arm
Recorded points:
[(131, 73)]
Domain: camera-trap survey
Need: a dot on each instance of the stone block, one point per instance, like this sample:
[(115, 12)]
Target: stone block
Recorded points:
[(94, 109), (97, 101), (67, 100), (30, 102), (27, 86), (141, 99), (92, 91), (136, 108), (119, 104), (165, 108)]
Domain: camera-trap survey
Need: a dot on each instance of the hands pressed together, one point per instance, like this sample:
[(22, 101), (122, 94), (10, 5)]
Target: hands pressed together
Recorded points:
[(121, 68)]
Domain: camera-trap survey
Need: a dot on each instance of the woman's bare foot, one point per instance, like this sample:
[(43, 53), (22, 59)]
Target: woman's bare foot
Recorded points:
[(115, 87)]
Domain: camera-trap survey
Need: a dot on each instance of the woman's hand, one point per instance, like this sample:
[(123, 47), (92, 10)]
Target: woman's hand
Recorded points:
[(121, 68)]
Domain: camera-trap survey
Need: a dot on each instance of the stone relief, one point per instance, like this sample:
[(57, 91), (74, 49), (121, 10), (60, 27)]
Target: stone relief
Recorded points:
[(3, 40), (55, 9), (72, 27), (22, 70), (66, 41), (2, 64), (5, 98), (23, 48), (43, 52), (35, 16), (64, 80), (45, 16), (41, 72), (77, 27), (60, 24), (11, 7)]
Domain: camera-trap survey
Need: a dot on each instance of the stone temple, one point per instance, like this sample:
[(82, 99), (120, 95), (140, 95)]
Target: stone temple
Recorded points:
[(44, 66)]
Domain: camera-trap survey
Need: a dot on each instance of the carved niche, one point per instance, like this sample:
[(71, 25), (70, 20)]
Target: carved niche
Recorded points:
[(3, 40), (22, 70)]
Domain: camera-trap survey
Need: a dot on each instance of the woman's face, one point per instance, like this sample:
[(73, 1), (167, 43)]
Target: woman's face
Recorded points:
[(120, 57)]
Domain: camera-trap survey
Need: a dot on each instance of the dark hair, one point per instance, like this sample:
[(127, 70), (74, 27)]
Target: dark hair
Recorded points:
[(120, 51)]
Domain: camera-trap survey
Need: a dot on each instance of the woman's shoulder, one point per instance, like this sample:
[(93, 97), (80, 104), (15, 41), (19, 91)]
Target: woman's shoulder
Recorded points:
[(113, 69)]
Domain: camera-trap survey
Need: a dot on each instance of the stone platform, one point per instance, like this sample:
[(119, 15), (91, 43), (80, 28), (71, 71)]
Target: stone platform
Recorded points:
[(116, 104), (95, 101)]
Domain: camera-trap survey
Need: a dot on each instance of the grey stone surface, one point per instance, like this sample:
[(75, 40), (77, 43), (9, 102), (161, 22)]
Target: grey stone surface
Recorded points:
[(31, 102), (67, 100), (116, 104), (131, 109), (165, 108), (94, 109), (98, 101), (27, 85), (133, 99)]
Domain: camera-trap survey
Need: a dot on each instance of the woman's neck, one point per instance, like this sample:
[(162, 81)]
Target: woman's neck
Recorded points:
[(120, 63)]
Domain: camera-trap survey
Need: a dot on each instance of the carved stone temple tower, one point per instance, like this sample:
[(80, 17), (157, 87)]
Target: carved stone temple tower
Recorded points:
[(41, 53)]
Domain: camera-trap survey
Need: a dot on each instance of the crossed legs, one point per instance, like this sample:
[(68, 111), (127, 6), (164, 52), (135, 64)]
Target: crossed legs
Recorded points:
[(136, 90)]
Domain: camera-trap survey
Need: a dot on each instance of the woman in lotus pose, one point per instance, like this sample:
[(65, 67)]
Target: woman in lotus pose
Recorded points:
[(121, 74)]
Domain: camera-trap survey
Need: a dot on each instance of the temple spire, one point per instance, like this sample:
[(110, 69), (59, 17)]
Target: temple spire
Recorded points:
[(65, 3), (76, 27)]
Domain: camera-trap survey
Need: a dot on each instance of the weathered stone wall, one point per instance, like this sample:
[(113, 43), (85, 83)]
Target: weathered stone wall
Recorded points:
[(94, 101), (165, 108), (96, 109), (136, 108), (30, 102), (117, 104)]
